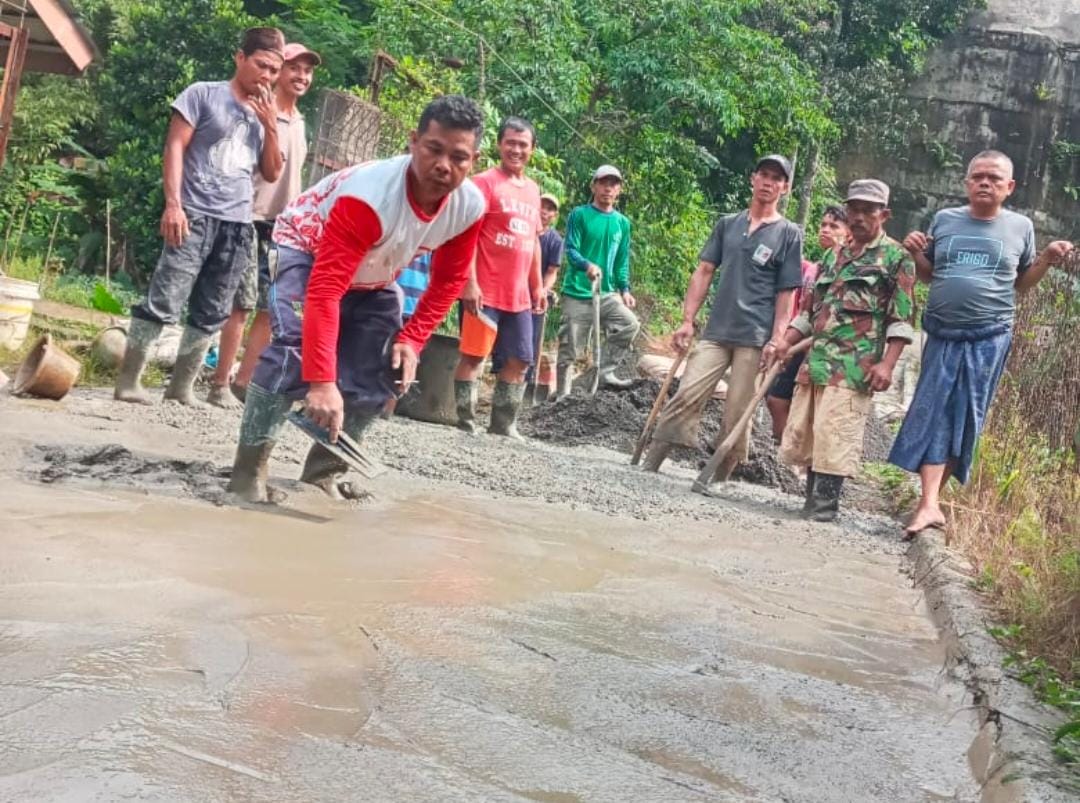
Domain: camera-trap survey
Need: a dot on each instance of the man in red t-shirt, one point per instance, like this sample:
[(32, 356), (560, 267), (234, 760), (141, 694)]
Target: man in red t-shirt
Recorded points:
[(335, 310), (506, 287)]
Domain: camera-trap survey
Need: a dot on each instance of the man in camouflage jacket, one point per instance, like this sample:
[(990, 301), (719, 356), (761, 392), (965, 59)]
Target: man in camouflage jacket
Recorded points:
[(860, 319)]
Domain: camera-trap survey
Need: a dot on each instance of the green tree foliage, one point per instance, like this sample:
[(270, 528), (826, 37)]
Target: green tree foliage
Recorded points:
[(37, 191), (156, 49), (681, 94)]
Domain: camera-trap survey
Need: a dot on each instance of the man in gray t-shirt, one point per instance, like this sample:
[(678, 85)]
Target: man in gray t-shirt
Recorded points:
[(219, 135), (975, 258), (976, 264), (759, 256)]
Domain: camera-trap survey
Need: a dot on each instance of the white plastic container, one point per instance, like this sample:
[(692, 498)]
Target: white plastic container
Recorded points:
[(17, 299)]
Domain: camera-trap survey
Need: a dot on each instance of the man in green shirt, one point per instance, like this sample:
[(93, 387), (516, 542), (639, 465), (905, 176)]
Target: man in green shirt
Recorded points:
[(597, 247)]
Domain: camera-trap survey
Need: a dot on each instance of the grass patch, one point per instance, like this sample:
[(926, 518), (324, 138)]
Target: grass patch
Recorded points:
[(78, 290), (898, 487)]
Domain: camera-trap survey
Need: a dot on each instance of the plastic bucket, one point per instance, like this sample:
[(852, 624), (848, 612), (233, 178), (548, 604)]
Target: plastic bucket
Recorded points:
[(109, 346), (432, 397), (17, 299), (47, 371), (478, 333)]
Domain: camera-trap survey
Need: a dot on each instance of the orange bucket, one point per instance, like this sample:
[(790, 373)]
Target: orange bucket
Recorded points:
[(478, 333)]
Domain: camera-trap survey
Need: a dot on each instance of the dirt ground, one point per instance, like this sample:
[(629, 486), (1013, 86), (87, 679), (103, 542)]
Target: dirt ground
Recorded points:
[(503, 622)]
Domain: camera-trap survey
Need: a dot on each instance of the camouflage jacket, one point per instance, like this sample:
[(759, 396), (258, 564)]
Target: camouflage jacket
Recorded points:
[(858, 304)]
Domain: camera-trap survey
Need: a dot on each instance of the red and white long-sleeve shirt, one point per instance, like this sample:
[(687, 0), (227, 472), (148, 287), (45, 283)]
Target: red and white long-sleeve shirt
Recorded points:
[(362, 226)]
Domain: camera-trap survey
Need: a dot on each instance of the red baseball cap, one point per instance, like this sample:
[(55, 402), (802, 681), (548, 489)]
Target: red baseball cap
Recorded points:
[(295, 50)]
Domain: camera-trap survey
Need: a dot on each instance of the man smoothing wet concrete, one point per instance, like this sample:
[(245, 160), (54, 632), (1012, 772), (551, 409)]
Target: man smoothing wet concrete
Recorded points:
[(335, 311), (442, 644)]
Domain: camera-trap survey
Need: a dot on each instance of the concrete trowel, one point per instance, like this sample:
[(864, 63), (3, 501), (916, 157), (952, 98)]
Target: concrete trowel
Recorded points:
[(344, 448)]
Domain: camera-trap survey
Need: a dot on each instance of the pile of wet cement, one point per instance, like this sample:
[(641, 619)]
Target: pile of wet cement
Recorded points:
[(118, 465), (614, 420)]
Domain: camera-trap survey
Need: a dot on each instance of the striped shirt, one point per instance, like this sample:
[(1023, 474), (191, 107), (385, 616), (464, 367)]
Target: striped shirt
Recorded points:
[(413, 281)]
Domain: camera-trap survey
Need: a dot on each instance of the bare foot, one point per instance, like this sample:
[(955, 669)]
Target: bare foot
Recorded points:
[(222, 396), (924, 519)]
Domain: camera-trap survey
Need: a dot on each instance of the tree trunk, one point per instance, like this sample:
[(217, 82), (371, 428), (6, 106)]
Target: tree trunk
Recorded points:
[(806, 189)]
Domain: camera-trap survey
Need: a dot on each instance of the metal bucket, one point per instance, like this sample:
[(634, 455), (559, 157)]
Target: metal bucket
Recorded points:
[(17, 299), (47, 371), (433, 398)]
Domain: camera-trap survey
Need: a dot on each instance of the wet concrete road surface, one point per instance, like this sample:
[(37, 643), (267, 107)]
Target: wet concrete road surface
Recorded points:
[(440, 648)]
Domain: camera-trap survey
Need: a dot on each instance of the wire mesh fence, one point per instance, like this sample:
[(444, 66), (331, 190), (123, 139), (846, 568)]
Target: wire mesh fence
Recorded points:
[(347, 133)]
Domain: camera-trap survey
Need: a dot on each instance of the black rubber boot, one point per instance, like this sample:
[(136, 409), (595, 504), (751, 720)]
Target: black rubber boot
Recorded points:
[(825, 504), (325, 470), (189, 361), (505, 405), (608, 379), (465, 399), (808, 503), (251, 468), (141, 336), (564, 380), (264, 416), (655, 457)]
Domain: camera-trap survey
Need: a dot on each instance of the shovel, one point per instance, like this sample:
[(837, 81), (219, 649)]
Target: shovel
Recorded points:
[(704, 479), (345, 448), (596, 334), (661, 397)]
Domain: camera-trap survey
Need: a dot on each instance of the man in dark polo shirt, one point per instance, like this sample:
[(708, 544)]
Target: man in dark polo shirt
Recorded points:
[(759, 254)]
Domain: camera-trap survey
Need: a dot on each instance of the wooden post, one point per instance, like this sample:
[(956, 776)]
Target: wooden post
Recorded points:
[(108, 242), (13, 68)]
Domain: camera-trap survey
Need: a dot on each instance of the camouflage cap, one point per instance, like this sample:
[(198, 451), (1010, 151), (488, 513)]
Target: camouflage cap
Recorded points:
[(868, 189)]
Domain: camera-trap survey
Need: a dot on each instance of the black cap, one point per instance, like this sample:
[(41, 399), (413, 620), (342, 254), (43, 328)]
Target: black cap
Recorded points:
[(778, 160)]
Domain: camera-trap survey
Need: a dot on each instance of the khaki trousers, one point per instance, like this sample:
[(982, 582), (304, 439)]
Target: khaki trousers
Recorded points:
[(680, 419), (619, 324), (825, 429)]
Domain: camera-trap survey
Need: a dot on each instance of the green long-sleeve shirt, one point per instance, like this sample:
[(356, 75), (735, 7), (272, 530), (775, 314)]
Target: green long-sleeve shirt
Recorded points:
[(600, 238)]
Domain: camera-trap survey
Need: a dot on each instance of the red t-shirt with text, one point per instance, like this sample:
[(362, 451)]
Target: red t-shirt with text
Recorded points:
[(508, 237)]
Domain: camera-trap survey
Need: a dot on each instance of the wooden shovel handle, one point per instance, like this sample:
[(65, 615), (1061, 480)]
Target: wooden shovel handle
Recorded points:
[(661, 398), (701, 484)]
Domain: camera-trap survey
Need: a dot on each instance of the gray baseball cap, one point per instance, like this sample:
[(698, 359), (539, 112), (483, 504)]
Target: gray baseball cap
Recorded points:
[(868, 189), (775, 158), (603, 171)]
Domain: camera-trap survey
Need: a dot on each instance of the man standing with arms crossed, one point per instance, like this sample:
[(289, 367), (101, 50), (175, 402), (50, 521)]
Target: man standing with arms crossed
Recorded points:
[(759, 254), (975, 258), (335, 310), (219, 134), (506, 286), (860, 317), (597, 249), (270, 198)]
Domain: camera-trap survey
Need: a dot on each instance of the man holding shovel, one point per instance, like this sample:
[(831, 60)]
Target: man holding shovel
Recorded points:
[(860, 318), (335, 311), (506, 286), (220, 134), (597, 273), (759, 254)]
